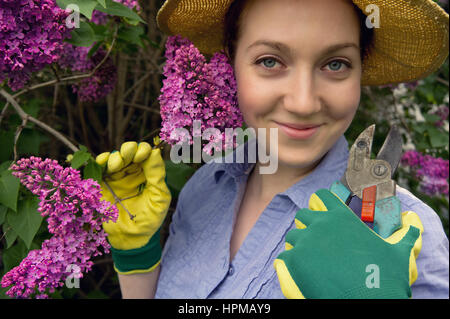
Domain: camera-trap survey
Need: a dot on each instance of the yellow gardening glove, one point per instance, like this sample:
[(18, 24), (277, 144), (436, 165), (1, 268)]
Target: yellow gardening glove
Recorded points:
[(136, 175)]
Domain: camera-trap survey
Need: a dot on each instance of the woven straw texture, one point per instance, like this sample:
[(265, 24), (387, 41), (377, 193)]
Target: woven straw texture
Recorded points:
[(411, 42)]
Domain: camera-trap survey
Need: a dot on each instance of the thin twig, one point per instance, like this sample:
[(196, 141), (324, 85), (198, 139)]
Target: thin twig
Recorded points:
[(442, 81), (23, 115), (4, 233), (146, 137), (141, 107), (118, 200), (17, 135), (137, 83), (5, 108)]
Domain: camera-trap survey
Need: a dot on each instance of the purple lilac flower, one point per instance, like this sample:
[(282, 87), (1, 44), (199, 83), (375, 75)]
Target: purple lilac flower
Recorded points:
[(101, 83), (75, 213), (432, 172), (197, 90), (76, 59), (31, 37), (442, 112)]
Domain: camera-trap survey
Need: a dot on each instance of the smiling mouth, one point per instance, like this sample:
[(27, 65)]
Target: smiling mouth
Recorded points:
[(299, 131)]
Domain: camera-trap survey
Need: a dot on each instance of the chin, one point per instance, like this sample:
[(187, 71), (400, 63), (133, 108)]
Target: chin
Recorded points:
[(294, 160)]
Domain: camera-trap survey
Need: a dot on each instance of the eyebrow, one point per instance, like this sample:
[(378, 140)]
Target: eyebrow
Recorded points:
[(279, 46)]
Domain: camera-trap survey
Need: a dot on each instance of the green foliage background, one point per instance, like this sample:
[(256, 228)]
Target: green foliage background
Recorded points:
[(131, 112)]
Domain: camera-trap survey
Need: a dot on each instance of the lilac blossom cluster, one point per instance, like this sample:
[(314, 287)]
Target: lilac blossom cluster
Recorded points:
[(97, 86), (432, 172), (75, 213), (31, 37), (76, 59), (197, 90)]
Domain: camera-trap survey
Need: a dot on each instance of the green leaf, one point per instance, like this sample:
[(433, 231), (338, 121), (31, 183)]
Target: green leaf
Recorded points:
[(12, 256), (94, 48), (177, 175), (432, 118), (102, 3), (9, 233), (9, 189), (93, 170), (83, 36), (420, 127), (79, 158), (27, 220), (437, 138), (120, 10), (3, 210), (85, 6), (132, 34), (101, 32)]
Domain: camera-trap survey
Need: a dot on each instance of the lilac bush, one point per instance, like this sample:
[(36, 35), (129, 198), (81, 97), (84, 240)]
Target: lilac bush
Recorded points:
[(101, 83), (31, 37), (197, 90), (432, 172), (75, 213)]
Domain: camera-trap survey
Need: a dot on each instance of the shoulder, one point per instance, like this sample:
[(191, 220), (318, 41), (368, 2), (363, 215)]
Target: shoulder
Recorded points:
[(204, 178), (430, 219)]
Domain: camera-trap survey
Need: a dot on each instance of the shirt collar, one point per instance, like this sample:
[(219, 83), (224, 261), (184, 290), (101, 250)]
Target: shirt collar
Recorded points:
[(235, 168), (330, 169)]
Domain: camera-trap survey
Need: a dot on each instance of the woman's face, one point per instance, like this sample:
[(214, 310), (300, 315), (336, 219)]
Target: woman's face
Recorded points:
[(308, 83)]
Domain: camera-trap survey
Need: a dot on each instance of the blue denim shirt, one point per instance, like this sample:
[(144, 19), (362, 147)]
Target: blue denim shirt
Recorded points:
[(196, 259)]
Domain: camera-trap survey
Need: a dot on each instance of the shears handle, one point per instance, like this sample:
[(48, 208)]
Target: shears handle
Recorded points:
[(387, 217)]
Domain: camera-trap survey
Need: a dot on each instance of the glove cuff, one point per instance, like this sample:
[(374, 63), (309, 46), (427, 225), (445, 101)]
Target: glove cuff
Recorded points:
[(139, 260), (389, 289)]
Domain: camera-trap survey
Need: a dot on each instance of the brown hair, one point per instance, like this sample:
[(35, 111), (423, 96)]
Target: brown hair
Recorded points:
[(232, 23)]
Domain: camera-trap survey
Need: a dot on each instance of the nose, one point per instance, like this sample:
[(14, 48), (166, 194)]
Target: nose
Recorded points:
[(302, 94)]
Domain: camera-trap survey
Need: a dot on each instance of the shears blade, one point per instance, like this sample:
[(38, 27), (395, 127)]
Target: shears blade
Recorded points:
[(391, 151)]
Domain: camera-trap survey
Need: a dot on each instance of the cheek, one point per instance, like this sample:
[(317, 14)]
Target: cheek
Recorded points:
[(250, 100), (344, 106)]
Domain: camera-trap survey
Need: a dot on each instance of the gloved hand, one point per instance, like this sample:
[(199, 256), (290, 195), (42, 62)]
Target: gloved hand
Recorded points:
[(136, 176), (332, 254)]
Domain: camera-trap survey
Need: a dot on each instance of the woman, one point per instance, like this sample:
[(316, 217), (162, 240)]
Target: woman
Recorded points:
[(299, 67)]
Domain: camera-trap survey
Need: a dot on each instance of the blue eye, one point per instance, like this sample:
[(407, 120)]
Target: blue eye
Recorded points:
[(269, 65), (337, 65)]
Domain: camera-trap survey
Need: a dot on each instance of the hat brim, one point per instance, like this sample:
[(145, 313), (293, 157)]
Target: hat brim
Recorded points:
[(410, 43)]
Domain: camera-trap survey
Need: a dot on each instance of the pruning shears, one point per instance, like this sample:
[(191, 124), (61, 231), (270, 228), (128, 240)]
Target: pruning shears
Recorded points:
[(367, 186)]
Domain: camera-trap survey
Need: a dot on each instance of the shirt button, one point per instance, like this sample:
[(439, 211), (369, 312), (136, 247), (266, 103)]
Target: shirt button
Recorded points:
[(231, 271)]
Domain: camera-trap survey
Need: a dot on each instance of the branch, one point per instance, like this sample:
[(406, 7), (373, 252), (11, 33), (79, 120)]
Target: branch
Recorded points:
[(141, 107), (118, 200), (5, 108), (17, 134), (442, 81), (73, 77), (25, 116)]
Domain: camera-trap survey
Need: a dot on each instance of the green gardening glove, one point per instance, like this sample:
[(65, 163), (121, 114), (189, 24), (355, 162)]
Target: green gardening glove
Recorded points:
[(136, 176), (333, 255)]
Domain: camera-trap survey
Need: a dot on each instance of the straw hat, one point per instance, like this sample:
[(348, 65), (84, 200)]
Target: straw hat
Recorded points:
[(411, 43)]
